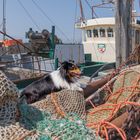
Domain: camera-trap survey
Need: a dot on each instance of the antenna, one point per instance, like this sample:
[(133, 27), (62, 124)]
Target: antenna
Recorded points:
[(4, 18)]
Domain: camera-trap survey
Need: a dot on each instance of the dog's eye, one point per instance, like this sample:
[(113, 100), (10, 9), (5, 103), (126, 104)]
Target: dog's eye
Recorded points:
[(74, 68)]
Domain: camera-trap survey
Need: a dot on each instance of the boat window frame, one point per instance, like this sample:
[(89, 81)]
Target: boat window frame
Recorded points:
[(89, 33), (102, 30), (95, 34), (110, 32)]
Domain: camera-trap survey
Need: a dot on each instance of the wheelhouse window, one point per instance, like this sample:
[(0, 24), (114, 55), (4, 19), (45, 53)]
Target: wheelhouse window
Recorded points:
[(95, 32), (102, 32), (110, 32), (89, 34)]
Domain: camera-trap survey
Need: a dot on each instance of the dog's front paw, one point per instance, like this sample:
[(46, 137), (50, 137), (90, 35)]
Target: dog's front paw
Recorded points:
[(80, 89)]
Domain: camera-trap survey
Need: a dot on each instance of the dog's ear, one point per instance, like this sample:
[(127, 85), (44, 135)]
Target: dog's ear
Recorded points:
[(64, 64), (63, 68), (71, 61)]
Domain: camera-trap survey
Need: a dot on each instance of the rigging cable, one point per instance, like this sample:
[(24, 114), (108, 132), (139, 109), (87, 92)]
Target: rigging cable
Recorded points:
[(75, 17), (91, 8), (1, 24), (42, 11), (98, 24), (88, 4), (29, 15)]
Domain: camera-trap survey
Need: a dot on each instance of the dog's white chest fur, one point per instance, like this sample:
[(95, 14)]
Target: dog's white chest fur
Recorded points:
[(62, 83)]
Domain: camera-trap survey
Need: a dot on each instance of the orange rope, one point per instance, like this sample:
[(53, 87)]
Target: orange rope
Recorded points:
[(116, 107), (132, 103), (119, 130), (106, 134), (133, 90), (100, 110), (58, 109)]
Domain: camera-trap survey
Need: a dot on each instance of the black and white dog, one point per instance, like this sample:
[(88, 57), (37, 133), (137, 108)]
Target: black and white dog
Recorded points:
[(65, 77)]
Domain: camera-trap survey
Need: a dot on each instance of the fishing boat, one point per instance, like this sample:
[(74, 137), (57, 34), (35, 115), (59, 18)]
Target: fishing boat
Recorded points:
[(107, 108), (98, 38), (98, 35), (97, 44)]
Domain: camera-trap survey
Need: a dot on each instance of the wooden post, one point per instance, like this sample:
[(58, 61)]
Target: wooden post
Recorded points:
[(123, 37)]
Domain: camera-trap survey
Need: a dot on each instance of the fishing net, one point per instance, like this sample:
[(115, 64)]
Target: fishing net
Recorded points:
[(9, 128), (61, 103), (71, 127), (14, 132), (125, 87), (8, 100), (7, 88), (123, 94), (25, 73), (100, 113), (20, 121)]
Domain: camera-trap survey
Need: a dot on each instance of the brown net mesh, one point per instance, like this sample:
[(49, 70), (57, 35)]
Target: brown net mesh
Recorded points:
[(124, 93), (8, 111), (9, 129), (7, 88), (8, 100), (62, 103), (126, 86), (14, 132), (47, 105), (34, 122)]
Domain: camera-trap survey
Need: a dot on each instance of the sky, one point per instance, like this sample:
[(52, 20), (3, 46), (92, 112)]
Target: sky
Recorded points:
[(61, 13)]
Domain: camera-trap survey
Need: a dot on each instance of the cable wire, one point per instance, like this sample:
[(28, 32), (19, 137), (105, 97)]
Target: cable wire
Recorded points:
[(29, 15), (91, 8), (42, 11), (88, 4), (1, 24), (74, 22)]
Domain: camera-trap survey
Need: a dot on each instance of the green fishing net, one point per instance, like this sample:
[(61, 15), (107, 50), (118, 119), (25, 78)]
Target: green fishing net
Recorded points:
[(69, 128)]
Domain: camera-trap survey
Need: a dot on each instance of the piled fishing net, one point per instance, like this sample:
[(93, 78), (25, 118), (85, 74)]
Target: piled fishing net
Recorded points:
[(125, 87), (57, 116), (25, 74), (8, 100), (124, 94), (59, 104), (7, 88), (14, 132), (9, 128), (20, 121), (71, 127)]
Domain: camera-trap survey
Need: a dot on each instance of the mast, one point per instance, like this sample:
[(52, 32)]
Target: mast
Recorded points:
[(123, 38), (82, 18), (4, 18)]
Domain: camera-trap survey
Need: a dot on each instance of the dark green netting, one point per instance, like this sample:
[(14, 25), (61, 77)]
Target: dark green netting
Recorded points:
[(69, 128)]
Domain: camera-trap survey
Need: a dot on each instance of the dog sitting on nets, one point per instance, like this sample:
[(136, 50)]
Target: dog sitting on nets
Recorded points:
[(65, 77)]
